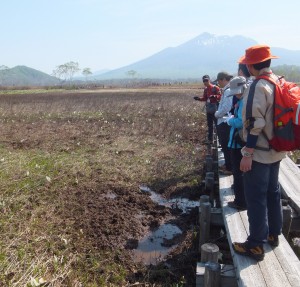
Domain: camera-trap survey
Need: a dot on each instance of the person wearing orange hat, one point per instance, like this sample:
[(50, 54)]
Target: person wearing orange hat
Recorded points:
[(260, 163)]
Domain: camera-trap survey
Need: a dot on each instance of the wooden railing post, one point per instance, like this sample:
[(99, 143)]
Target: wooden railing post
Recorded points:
[(214, 153), (209, 163), (209, 181), (287, 220), (212, 274), (209, 252), (204, 223)]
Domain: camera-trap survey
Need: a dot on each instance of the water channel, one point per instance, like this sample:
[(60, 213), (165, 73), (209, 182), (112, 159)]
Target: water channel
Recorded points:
[(151, 248)]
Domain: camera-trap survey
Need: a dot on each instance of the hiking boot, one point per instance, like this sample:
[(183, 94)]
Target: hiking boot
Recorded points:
[(225, 172), (273, 240), (256, 252), (232, 204)]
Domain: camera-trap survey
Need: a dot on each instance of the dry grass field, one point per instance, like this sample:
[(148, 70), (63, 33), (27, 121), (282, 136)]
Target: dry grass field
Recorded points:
[(71, 164)]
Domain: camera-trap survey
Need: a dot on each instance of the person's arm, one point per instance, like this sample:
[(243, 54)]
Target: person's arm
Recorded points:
[(237, 122), (255, 108), (224, 106), (204, 96), (215, 94), (218, 94)]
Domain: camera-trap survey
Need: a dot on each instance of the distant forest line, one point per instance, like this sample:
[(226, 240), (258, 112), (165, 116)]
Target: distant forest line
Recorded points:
[(22, 76), (291, 73)]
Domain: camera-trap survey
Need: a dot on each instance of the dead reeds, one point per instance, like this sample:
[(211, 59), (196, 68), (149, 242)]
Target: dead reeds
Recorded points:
[(62, 153)]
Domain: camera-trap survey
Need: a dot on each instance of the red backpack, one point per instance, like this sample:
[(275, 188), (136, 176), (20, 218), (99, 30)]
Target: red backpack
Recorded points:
[(286, 115)]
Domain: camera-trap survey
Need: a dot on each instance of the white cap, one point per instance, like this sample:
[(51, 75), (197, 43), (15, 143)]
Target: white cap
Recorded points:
[(237, 85)]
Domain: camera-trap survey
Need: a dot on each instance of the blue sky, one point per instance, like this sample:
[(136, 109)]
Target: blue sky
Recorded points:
[(108, 34)]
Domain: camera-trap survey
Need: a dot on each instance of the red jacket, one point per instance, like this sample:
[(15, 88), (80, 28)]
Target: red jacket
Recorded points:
[(212, 92)]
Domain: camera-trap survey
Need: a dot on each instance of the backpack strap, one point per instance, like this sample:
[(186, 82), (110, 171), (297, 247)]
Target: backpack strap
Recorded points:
[(249, 117)]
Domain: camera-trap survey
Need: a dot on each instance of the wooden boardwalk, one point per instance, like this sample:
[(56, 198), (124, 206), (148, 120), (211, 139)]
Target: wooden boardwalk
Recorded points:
[(280, 267), (289, 178)]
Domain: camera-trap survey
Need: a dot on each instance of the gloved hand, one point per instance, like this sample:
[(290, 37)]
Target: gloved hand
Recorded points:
[(212, 96), (228, 119), (197, 98)]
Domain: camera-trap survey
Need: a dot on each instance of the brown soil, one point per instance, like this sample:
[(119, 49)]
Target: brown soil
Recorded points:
[(103, 214)]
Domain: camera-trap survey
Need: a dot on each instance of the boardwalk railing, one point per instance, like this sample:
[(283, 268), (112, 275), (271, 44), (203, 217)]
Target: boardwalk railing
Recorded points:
[(289, 179)]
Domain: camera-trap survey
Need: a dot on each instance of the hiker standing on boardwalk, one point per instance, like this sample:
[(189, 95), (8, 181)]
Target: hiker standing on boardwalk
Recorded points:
[(238, 85), (223, 129), (211, 96), (260, 164), (243, 72)]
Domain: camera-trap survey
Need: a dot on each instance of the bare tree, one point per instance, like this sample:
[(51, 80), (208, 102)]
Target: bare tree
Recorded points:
[(60, 72), (66, 71), (131, 73), (86, 72)]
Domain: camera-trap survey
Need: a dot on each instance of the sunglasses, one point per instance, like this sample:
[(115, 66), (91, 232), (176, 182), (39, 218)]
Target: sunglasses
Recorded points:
[(205, 81)]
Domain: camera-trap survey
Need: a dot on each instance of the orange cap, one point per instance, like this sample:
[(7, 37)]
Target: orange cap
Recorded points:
[(256, 54)]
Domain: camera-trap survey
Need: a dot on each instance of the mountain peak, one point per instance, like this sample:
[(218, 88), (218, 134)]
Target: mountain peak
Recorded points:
[(205, 54), (24, 76), (208, 40)]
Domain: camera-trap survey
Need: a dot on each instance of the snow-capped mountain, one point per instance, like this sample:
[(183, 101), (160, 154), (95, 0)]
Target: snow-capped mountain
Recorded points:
[(204, 54)]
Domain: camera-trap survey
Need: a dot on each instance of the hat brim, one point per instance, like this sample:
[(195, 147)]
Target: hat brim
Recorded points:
[(245, 61), (236, 91)]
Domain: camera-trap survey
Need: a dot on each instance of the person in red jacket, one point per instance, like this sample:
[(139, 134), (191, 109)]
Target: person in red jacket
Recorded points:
[(211, 96)]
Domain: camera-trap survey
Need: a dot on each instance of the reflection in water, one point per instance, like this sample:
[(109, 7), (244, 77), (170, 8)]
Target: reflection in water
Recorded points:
[(182, 203), (150, 249)]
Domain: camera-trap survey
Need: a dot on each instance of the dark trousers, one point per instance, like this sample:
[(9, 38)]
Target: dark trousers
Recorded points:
[(210, 125), (262, 194), (238, 181), (223, 131)]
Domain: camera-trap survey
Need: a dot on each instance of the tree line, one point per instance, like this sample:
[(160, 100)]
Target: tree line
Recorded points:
[(290, 72), (67, 71)]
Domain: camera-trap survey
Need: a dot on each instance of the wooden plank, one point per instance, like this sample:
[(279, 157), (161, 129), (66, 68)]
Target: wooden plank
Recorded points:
[(280, 267), (247, 270), (289, 261), (271, 268), (289, 179)]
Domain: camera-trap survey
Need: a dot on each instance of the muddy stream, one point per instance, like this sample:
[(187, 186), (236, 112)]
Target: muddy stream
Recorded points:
[(151, 249)]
